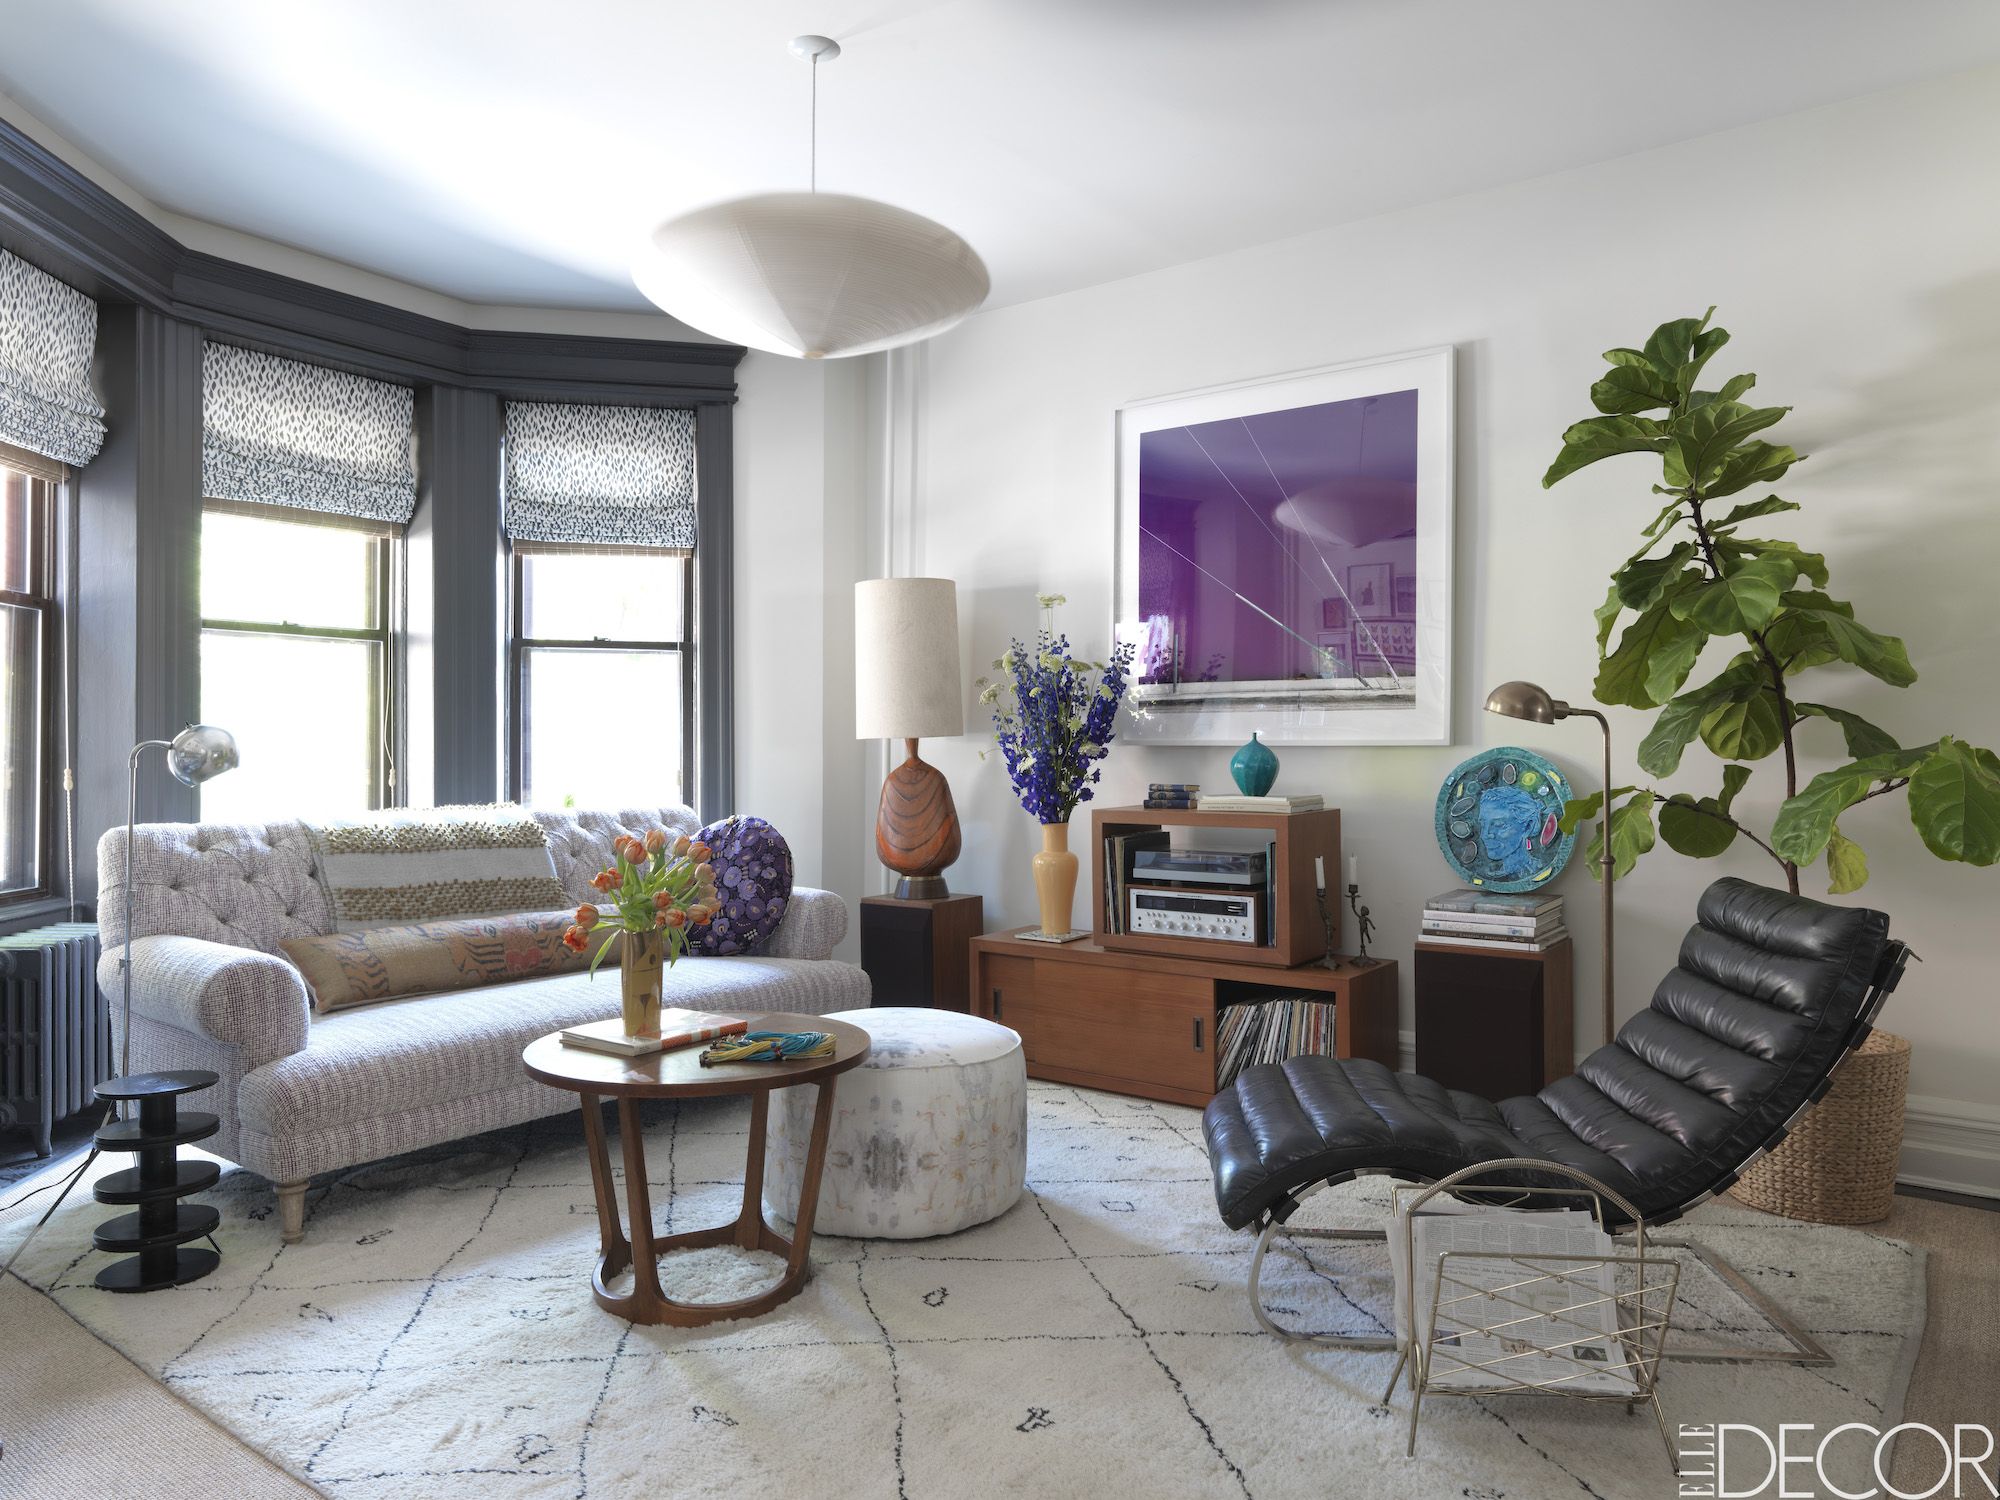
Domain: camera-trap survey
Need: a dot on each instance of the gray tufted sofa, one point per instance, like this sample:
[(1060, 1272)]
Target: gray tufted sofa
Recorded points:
[(301, 1093)]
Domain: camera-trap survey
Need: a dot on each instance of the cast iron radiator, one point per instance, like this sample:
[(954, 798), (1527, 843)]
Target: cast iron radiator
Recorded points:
[(55, 1029)]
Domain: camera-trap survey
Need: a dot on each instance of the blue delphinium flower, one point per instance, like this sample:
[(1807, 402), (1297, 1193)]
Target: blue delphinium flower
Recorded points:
[(1058, 725)]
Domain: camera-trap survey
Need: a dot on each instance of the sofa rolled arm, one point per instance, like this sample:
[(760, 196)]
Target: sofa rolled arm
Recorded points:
[(237, 996), (813, 925)]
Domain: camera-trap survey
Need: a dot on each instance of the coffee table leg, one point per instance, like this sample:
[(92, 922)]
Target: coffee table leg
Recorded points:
[(802, 1226), (639, 1203), (611, 1235), (750, 1231)]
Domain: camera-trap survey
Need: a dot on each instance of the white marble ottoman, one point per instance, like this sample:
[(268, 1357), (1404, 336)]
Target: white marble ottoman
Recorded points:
[(929, 1135)]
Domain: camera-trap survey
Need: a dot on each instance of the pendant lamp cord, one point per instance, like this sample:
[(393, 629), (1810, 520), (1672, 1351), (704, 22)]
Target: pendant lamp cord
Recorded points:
[(812, 159)]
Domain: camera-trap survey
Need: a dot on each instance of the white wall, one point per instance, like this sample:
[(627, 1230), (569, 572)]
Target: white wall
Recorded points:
[(798, 501), (1855, 255)]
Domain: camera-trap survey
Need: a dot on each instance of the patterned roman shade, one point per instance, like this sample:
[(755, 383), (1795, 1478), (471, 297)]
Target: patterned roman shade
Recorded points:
[(48, 332), (600, 474), (278, 432)]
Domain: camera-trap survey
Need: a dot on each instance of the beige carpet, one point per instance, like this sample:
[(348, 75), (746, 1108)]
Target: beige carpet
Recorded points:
[(433, 1337)]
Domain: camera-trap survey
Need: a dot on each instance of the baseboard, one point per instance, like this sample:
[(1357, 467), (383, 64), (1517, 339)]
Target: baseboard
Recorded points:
[(1951, 1145), (1948, 1144)]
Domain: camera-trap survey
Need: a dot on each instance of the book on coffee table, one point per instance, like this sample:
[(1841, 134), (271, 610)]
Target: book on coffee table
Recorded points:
[(678, 1028)]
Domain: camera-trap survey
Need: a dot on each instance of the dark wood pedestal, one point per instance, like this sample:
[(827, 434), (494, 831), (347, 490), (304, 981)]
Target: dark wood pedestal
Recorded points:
[(1494, 1022), (919, 952)]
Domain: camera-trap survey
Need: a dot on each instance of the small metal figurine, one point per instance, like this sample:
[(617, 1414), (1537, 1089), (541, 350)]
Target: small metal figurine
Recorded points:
[(1363, 925)]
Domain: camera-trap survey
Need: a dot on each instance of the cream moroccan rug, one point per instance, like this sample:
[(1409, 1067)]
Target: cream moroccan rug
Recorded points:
[(434, 1336)]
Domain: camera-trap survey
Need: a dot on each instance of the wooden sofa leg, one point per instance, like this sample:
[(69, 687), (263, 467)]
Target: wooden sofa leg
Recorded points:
[(292, 1211)]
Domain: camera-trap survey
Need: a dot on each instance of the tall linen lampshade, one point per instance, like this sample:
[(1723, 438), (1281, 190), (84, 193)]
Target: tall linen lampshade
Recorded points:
[(907, 687)]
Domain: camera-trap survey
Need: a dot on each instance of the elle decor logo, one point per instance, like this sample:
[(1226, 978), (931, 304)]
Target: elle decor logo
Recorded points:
[(1735, 1461)]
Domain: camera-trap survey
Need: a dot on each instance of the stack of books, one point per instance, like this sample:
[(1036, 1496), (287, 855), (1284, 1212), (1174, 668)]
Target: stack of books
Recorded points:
[(1262, 1031), (1310, 802), (1531, 920), (1180, 795)]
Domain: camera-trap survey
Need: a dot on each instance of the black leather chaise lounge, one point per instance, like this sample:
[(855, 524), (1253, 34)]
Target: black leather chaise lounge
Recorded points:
[(1770, 993)]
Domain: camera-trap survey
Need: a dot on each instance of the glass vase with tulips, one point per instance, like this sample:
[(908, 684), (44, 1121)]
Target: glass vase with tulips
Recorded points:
[(657, 890)]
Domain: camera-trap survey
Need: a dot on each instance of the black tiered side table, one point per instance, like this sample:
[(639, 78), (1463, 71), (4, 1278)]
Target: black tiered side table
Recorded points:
[(162, 1226)]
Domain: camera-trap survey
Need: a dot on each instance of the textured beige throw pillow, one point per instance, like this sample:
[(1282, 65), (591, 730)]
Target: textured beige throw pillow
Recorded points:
[(345, 969)]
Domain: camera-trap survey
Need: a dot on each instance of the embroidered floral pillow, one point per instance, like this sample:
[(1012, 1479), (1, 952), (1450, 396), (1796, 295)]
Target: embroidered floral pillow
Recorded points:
[(346, 969), (753, 879)]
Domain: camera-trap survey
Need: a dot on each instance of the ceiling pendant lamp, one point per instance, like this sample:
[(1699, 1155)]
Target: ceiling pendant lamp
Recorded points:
[(813, 275)]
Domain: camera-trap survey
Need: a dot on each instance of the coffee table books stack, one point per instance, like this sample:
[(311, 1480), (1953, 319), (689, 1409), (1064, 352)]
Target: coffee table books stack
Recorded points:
[(1528, 921)]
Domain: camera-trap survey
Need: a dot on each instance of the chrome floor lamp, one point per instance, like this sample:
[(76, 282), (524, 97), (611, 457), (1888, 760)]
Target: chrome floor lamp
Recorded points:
[(1524, 700)]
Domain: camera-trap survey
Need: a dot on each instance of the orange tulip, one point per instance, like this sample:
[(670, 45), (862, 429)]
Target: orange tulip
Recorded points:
[(604, 880), (586, 916), (660, 922), (681, 846), (676, 917), (699, 852), (656, 840), (574, 940)]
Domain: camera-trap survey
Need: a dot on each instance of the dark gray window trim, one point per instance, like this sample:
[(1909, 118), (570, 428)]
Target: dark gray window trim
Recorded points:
[(54, 217)]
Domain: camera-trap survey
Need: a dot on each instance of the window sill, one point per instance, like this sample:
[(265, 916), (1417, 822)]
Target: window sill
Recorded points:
[(19, 916)]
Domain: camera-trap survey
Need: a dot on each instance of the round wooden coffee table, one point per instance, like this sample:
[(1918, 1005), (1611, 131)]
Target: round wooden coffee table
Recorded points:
[(679, 1075)]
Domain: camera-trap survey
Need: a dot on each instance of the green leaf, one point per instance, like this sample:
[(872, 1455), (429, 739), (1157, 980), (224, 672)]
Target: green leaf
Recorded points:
[(1734, 387), (1654, 657), (1739, 549), (1702, 829), (1770, 505), (1880, 656), (1706, 342), (1577, 809), (1703, 437), (1601, 437), (1607, 616), (1641, 581), (1661, 750), (1748, 729), (1846, 865), (1672, 345), (1752, 463), (1626, 389), (1955, 802), (1664, 521), (1745, 599), (1863, 738), (1631, 836), (1805, 822)]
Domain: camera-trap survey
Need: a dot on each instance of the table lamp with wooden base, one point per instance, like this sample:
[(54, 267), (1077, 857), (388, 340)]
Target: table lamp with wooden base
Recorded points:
[(907, 687)]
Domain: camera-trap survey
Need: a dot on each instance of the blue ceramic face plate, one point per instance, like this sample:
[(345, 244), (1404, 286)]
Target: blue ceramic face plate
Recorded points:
[(1496, 820)]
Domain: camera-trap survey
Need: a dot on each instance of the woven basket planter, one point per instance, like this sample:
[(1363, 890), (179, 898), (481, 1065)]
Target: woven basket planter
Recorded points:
[(1839, 1166)]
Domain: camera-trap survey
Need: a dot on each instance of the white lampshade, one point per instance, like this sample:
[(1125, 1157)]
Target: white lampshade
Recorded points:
[(813, 275), (906, 682)]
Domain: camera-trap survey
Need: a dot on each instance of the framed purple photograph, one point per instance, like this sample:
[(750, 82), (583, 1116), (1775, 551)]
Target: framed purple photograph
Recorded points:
[(1263, 529)]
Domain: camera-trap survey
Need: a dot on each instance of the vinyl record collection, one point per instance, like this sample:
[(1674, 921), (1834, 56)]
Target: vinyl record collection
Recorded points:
[(1261, 1031)]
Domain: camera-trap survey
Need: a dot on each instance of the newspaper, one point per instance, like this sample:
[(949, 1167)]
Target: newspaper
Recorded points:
[(1514, 1320)]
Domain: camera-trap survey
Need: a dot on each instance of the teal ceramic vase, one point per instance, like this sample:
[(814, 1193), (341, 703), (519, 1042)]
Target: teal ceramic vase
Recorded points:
[(1255, 767)]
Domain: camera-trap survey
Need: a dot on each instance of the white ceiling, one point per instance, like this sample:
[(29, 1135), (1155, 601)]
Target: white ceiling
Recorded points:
[(512, 151)]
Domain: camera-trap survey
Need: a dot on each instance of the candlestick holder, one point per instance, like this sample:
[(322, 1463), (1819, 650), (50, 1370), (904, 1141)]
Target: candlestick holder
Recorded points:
[(1331, 959), (1364, 926)]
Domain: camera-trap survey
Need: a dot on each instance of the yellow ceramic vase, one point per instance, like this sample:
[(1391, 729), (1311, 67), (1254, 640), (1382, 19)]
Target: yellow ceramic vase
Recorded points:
[(640, 971), (1055, 879)]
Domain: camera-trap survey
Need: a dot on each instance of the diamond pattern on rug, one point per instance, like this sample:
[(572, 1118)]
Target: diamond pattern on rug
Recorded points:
[(435, 1336)]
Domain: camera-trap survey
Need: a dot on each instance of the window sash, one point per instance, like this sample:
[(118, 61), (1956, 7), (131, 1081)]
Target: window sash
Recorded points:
[(382, 777), (519, 706), (31, 805)]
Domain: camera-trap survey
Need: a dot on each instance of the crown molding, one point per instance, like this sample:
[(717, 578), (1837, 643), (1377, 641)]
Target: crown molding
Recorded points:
[(54, 216)]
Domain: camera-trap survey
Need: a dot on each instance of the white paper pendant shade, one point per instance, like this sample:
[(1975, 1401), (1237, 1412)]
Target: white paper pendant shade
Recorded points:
[(813, 275)]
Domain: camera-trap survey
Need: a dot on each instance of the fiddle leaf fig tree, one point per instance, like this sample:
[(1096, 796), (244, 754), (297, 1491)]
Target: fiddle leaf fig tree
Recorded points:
[(1700, 573)]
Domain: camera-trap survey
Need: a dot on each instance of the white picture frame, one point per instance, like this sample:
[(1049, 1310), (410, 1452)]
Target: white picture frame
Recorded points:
[(1387, 707)]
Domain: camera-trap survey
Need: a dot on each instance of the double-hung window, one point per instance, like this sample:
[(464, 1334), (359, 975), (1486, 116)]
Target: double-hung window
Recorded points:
[(600, 520), (29, 638), (603, 680), (296, 661)]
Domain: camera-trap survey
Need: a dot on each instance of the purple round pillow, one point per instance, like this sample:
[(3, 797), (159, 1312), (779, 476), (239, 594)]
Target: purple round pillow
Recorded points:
[(753, 881)]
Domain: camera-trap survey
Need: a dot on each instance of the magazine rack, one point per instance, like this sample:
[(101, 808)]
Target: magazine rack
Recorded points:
[(1492, 1322)]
